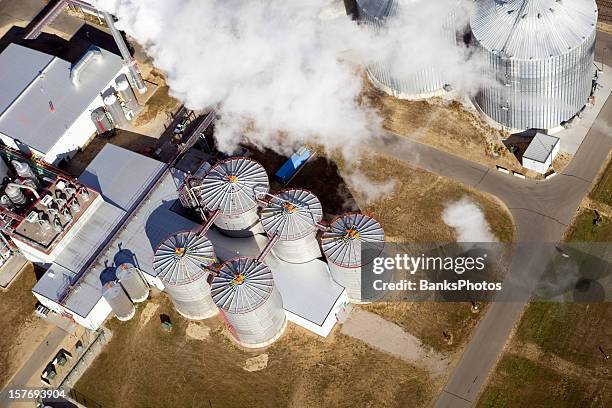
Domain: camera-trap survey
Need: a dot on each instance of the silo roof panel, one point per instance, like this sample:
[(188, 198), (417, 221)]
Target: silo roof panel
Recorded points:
[(292, 214), (375, 8), (349, 237), (233, 185), (242, 285), (533, 29), (183, 258)]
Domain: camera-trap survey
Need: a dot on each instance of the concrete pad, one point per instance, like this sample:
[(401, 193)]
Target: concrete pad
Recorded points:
[(390, 338), (11, 269), (571, 139)]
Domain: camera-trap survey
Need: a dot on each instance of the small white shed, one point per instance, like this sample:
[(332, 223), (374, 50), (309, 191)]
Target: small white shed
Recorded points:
[(541, 152)]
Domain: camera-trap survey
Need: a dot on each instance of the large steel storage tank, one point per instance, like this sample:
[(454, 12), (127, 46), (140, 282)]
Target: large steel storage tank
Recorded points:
[(414, 80), (114, 108), (293, 215), (132, 282), (181, 262), (118, 300), (232, 187), (351, 243), (540, 59), (245, 292)]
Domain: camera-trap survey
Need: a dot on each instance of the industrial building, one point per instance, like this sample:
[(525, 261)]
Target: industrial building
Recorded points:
[(50, 108), (539, 56), (541, 152), (417, 82)]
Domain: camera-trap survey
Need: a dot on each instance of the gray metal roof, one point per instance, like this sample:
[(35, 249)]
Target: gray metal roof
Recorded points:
[(292, 214), (351, 236), (232, 185), (242, 285), (31, 81), (120, 175), (183, 258), (541, 147), (150, 224), (533, 29)]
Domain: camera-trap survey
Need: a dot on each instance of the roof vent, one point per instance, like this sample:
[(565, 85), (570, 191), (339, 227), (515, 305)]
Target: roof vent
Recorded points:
[(82, 63)]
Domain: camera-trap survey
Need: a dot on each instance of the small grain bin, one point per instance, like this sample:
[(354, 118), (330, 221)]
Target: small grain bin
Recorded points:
[(245, 292), (113, 106), (293, 215), (118, 300), (130, 103), (132, 282), (181, 262), (232, 187), (352, 242)]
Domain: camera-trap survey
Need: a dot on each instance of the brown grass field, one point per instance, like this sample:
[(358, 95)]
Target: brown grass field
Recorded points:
[(144, 366)]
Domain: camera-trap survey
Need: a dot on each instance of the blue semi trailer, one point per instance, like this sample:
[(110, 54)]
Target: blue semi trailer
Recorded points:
[(293, 165)]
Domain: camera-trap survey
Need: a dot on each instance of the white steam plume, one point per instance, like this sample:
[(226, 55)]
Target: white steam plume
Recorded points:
[(272, 66), (468, 221)]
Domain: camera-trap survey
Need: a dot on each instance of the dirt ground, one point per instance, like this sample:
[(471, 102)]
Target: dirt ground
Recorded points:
[(443, 124), (145, 366), (412, 211), (21, 329)]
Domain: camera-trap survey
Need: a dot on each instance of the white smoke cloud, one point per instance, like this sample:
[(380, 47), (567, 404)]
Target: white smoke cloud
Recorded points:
[(272, 66), (468, 221), (368, 189)]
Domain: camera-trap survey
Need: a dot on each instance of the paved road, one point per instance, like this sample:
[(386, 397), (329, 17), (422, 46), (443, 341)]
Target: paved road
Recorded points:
[(541, 210)]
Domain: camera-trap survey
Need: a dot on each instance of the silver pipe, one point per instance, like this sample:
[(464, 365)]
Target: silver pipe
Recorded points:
[(129, 62)]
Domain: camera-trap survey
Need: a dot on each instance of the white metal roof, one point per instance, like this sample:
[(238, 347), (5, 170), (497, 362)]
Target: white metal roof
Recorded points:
[(292, 214), (183, 258), (120, 175), (31, 81), (349, 237), (232, 185), (242, 285), (541, 147), (533, 29)]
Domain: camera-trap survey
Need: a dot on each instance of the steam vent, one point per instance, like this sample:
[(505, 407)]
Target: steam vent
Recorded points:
[(181, 262), (244, 290), (540, 54), (425, 81), (293, 215), (352, 242), (232, 187)]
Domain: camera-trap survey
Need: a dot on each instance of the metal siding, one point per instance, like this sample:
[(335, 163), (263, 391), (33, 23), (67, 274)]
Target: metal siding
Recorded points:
[(540, 92)]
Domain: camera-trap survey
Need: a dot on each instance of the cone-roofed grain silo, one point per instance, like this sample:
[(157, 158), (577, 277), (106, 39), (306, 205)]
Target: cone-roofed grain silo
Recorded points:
[(420, 79), (245, 292), (540, 56), (182, 262), (351, 243), (118, 300), (132, 282), (293, 215), (232, 187)]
